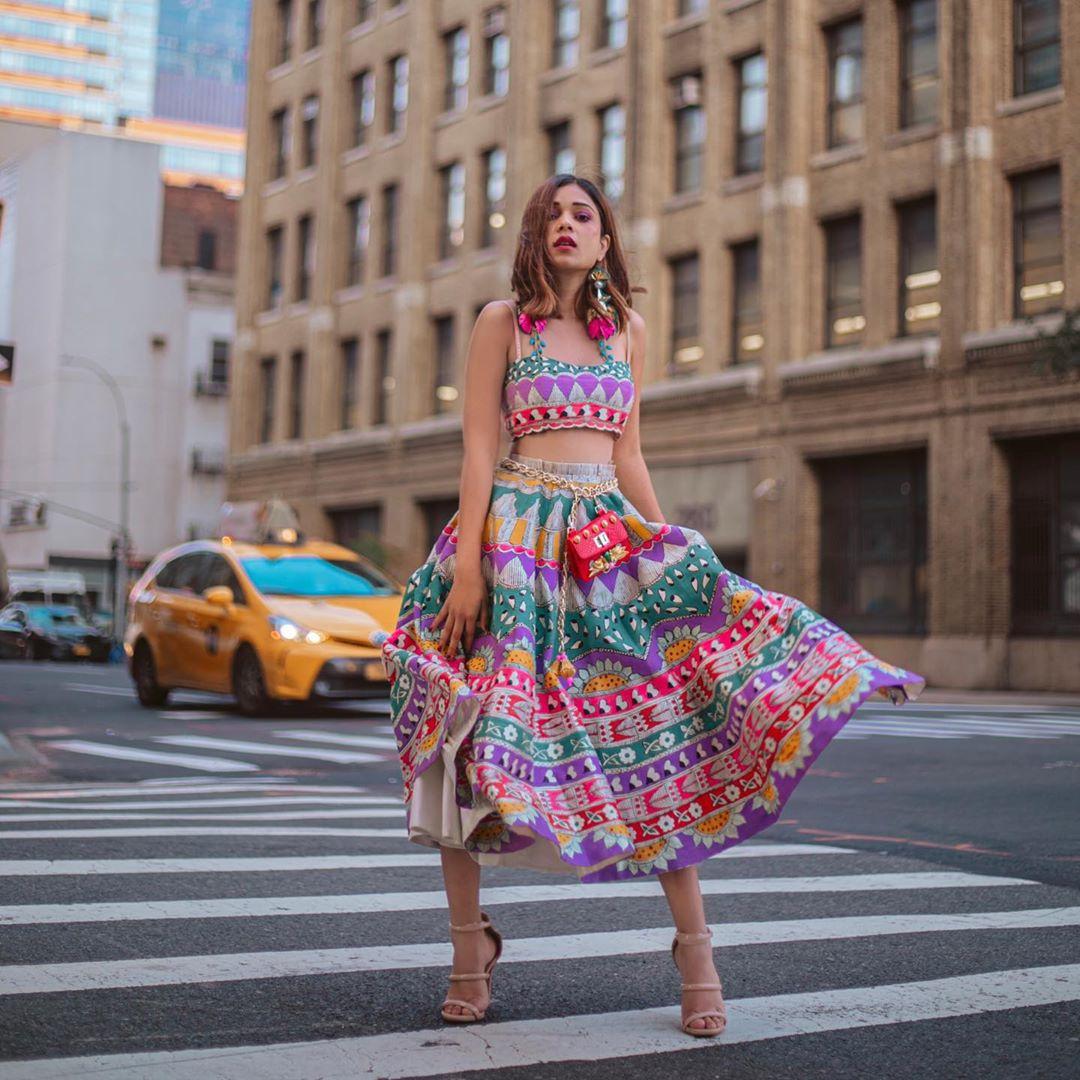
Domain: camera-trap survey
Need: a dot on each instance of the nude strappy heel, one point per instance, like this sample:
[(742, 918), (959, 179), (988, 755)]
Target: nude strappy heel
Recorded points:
[(477, 1012), (682, 938)]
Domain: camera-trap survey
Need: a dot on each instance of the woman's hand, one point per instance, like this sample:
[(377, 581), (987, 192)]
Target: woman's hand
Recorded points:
[(465, 609)]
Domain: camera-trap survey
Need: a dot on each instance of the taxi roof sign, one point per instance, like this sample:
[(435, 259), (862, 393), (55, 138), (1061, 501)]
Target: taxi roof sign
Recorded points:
[(260, 521)]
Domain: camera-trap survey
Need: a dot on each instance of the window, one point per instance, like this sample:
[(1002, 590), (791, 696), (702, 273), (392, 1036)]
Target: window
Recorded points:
[(920, 278), (309, 131), (296, 395), (316, 21), (560, 152), (365, 10), (873, 542), (564, 51), (614, 16), (452, 229), (919, 81), (689, 133), (384, 380), (1038, 246), (496, 52), (390, 225), (358, 528), (690, 7), (218, 572), (845, 120), (267, 377), (284, 30), (305, 263), (1045, 535), (1036, 45), (753, 106), (219, 362), (363, 106), (748, 326), (494, 216), (844, 320), (686, 350), (274, 237), (206, 257), (399, 94), (444, 391), (436, 513), (280, 142), (358, 211), (456, 61), (350, 374), (613, 151)]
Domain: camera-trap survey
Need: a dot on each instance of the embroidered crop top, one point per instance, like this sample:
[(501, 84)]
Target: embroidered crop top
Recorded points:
[(541, 393)]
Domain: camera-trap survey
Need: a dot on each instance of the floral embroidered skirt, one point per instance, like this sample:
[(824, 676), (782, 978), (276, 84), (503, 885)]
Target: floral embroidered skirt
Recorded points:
[(697, 701)]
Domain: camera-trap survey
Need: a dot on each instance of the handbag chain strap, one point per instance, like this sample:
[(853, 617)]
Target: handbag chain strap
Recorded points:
[(580, 489)]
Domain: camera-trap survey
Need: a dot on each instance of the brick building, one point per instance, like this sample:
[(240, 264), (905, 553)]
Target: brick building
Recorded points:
[(853, 221)]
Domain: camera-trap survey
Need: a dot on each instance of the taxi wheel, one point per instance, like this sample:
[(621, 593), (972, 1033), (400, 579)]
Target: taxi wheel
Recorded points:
[(150, 693), (249, 686)]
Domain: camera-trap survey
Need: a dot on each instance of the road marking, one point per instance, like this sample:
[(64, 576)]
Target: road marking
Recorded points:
[(195, 712), (292, 963), (200, 830), (188, 804), (94, 688), (611, 1036), (954, 730), (243, 865), (375, 742), (25, 797), (210, 742), (86, 814), (132, 753)]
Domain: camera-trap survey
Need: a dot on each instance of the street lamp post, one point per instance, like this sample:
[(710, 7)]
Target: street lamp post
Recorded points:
[(120, 592)]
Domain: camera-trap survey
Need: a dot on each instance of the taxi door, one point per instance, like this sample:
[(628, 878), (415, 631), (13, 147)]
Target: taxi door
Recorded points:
[(212, 629), (162, 612)]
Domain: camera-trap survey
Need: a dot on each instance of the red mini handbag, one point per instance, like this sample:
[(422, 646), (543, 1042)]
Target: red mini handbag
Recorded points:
[(598, 545)]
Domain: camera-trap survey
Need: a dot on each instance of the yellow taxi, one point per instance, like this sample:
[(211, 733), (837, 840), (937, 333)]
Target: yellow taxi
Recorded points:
[(275, 619)]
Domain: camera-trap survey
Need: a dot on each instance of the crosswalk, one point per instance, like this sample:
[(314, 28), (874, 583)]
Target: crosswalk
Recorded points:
[(323, 952), (938, 721)]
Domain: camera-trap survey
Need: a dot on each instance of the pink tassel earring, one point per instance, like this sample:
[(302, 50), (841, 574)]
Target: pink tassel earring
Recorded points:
[(602, 322), (528, 323)]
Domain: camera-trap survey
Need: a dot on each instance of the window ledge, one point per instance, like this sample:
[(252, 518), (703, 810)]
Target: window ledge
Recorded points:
[(349, 293), (682, 200), (269, 316), (306, 174), (686, 22), (280, 70), (604, 54), (297, 308), (733, 185), (444, 266), (490, 101), (837, 155), (731, 6), (1011, 333), (355, 153), (272, 187), (851, 358), (359, 30), (392, 139), (429, 427), (351, 439), (311, 55), (554, 75), (448, 117), (385, 284), (915, 133), (1025, 102), (747, 376)]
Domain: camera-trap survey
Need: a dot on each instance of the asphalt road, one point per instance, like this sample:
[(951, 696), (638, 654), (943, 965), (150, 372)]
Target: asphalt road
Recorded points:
[(190, 894)]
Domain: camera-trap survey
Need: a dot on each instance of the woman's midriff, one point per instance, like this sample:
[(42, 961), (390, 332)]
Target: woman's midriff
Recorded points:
[(569, 444)]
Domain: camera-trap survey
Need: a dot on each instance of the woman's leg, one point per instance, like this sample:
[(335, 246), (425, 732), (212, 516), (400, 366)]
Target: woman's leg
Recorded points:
[(472, 949), (695, 962)]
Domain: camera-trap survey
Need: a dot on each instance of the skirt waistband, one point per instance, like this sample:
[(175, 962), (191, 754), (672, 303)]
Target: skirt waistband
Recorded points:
[(588, 471)]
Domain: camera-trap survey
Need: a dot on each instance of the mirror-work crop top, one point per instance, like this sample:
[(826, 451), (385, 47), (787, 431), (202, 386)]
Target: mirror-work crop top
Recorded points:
[(541, 393)]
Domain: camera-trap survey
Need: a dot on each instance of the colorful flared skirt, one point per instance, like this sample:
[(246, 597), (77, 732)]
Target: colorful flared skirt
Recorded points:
[(696, 702)]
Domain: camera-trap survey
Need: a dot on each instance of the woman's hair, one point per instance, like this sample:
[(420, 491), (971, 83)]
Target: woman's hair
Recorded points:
[(533, 277)]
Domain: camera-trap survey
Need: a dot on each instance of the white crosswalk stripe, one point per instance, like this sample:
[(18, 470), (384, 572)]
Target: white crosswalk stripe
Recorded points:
[(933, 721)]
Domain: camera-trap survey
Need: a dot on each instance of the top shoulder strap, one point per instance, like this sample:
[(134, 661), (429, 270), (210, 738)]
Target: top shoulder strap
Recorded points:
[(517, 339)]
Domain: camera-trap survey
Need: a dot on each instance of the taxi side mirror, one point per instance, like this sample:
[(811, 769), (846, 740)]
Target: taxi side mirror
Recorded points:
[(221, 595)]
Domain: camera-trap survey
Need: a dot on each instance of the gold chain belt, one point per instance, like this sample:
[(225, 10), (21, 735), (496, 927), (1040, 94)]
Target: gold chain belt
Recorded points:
[(580, 489)]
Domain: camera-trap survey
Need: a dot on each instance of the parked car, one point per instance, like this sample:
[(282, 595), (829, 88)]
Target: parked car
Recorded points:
[(57, 632), (14, 640), (265, 622)]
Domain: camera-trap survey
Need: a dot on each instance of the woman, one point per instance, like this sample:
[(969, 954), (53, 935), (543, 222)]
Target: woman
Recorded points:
[(578, 686)]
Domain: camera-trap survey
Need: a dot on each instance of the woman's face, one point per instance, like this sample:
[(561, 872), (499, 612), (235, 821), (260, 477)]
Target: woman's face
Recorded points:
[(574, 217)]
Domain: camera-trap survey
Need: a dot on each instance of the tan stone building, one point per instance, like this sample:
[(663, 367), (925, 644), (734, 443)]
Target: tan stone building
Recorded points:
[(843, 213)]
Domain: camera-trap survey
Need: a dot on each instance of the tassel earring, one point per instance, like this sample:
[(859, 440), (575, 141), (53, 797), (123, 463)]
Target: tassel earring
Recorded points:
[(601, 317)]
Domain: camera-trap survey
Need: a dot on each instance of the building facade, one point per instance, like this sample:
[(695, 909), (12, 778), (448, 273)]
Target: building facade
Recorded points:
[(160, 71), (109, 281), (857, 226)]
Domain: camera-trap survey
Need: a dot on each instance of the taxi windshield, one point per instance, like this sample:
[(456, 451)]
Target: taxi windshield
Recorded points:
[(309, 575)]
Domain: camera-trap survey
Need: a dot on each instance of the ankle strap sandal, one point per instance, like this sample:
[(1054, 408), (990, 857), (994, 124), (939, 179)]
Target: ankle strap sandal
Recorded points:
[(690, 938), (477, 1013)]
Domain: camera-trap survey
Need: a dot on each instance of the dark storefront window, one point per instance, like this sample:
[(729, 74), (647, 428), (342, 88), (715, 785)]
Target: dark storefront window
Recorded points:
[(873, 542), (1045, 533), (359, 528), (437, 512)]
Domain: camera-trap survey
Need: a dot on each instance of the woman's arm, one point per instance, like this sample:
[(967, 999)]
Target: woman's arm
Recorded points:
[(485, 367), (630, 467)]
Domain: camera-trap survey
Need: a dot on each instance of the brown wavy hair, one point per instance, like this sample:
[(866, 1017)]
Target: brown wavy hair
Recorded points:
[(533, 277)]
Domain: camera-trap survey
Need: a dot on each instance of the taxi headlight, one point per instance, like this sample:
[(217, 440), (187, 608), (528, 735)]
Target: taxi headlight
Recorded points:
[(287, 630)]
